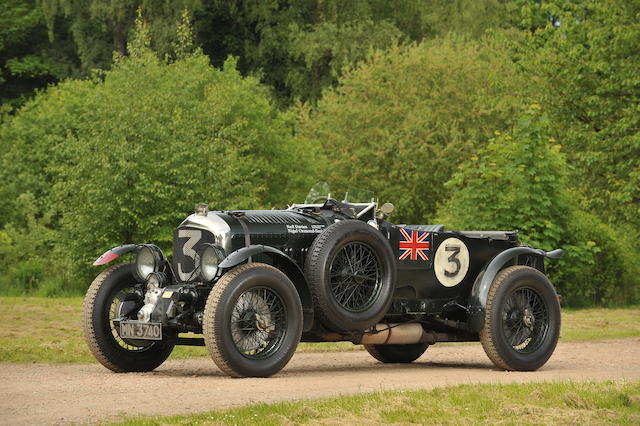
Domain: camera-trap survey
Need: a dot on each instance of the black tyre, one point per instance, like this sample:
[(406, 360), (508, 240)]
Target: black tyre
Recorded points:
[(102, 335), (351, 271), (252, 321), (522, 319), (403, 354)]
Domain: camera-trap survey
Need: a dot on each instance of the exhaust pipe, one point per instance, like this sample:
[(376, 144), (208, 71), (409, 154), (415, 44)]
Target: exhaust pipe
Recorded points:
[(394, 334), (397, 334)]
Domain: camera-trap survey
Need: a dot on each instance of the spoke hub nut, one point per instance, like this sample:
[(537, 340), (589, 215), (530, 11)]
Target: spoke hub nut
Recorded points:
[(528, 319)]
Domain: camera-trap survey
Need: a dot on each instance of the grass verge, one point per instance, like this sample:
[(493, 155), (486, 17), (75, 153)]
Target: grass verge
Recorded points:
[(531, 403), (38, 329)]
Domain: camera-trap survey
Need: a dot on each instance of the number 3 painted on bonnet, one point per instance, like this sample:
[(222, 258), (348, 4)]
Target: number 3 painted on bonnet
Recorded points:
[(451, 262), (188, 250)]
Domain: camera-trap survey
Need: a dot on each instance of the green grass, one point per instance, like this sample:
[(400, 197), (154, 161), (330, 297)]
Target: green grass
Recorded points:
[(532, 403), (600, 323), (38, 329)]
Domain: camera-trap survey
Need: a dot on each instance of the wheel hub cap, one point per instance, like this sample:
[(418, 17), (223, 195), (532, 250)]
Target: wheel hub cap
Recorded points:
[(258, 322), (528, 318)]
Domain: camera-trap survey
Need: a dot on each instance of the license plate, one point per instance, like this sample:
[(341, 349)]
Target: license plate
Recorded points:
[(140, 330)]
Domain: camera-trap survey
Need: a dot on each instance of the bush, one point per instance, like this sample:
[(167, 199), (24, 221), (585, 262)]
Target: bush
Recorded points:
[(22, 278), (402, 122), (520, 181), (125, 156), (586, 73)]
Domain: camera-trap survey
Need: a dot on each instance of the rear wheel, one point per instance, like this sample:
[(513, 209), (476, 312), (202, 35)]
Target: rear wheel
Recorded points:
[(109, 298), (252, 321), (397, 353), (522, 319)]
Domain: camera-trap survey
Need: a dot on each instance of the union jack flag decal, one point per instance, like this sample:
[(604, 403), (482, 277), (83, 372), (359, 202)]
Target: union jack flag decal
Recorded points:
[(414, 244)]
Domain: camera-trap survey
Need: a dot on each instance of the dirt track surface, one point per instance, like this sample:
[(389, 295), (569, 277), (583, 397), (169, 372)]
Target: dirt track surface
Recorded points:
[(87, 393)]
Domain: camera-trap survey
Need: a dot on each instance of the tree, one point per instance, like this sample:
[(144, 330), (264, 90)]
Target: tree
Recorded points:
[(519, 180), (299, 47), (302, 47), (124, 157), (28, 61), (401, 123), (101, 28), (586, 70)]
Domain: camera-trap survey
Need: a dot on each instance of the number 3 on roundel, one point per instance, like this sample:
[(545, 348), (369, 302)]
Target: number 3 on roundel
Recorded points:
[(451, 262)]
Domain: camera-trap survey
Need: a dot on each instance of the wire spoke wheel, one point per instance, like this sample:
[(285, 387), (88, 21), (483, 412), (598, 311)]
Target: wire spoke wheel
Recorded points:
[(128, 344), (355, 277), (522, 319), (108, 300), (351, 272), (252, 321), (525, 320), (258, 322)]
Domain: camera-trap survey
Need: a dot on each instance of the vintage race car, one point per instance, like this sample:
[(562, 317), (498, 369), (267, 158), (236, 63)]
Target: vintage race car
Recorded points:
[(255, 283)]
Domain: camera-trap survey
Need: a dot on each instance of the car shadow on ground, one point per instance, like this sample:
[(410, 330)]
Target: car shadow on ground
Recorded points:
[(308, 371)]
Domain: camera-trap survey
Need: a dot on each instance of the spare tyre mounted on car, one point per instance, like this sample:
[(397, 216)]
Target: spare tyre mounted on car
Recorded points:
[(351, 271)]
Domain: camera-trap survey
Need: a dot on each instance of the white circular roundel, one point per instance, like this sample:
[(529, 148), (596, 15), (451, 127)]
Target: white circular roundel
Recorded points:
[(451, 262)]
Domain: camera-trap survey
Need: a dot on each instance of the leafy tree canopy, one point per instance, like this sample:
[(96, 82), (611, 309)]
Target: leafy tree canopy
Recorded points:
[(298, 47), (402, 122), (586, 68), (128, 153), (28, 60), (519, 181)]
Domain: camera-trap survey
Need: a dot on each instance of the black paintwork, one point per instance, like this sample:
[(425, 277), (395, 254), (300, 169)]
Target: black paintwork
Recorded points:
[(282, 238)]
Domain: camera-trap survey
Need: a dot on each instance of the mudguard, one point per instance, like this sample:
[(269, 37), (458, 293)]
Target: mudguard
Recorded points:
[(114, 253), (287, 265), (480, 290)]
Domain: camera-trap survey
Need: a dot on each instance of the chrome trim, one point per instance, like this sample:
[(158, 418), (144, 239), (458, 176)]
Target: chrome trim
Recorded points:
[(214, 224)]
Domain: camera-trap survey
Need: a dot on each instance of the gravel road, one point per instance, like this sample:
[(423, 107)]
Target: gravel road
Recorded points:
[(88, 393)]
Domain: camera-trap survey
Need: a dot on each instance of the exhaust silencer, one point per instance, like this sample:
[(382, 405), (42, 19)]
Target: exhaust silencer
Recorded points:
[(397, 334)]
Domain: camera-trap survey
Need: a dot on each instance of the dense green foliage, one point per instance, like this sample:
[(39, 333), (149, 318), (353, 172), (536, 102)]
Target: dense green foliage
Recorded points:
[(426, 102), (126, 155), (402, 122), (519, 180), (28, 59), (298, 46), (587, 72)]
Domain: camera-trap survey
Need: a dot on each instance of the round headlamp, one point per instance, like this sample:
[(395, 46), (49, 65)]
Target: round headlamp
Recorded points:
[(148, 260), (210, 258)]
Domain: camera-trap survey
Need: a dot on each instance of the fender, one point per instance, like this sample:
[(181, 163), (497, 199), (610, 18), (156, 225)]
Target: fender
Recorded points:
[(482, 284), (286, 265), (114, 253)]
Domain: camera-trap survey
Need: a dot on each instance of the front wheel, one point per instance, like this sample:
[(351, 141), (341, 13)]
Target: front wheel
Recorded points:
[(522, 319), (107, 300), (252, 321)]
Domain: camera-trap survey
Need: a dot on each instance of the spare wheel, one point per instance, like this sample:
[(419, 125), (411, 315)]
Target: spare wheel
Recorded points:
[(351, 271)]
